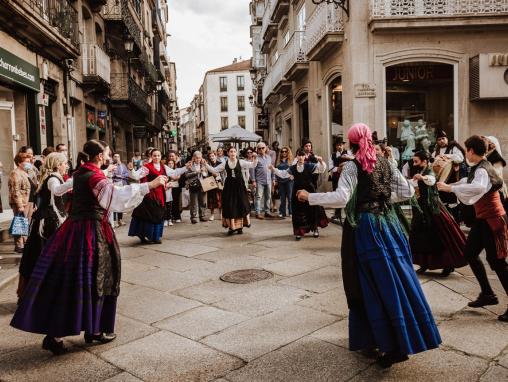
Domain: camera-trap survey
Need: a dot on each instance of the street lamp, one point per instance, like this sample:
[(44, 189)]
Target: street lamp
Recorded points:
[(158, 86), (128, 44), (344, 4), (251, 100)]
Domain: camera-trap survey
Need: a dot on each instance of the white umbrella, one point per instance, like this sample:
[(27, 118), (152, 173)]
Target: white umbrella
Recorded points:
[(236, 134)]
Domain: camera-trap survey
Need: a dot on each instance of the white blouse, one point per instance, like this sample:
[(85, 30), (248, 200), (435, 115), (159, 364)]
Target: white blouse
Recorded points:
[(401, 188), (119, 198), (232, 164), (320, 168), (57, 188), (470, 193), (143, 171)]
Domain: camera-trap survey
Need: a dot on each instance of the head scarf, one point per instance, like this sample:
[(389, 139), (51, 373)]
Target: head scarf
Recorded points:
[(495, 141), (361, 135)]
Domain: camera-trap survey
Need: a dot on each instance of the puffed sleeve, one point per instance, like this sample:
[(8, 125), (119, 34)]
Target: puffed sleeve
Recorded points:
[(217, 169), (340, 197), (320, 168), (402, 189), (119, 198), (284, 174), (139, 174), (175, 172), (470, 193), (248, 164), (59, 189)]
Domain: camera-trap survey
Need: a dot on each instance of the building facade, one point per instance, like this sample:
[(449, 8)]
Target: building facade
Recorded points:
[(68, 75), (406, 68)]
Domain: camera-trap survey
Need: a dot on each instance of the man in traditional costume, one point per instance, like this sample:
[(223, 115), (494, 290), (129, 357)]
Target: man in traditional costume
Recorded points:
[(387, 308), (489, 230)]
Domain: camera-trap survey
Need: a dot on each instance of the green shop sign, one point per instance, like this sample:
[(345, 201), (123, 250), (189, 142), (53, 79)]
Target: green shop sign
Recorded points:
[(19, 71)]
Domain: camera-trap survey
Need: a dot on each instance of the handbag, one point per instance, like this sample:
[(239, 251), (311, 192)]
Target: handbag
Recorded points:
[(208, 184), (150, 210), (19, 225), (192, 182)]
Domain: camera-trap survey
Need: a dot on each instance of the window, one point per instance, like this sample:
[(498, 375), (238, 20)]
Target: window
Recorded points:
[(240, 82), (223, 103), (223, 84), (241, 121), (224, 123), (275, 57), (241, 103), (285, 38)]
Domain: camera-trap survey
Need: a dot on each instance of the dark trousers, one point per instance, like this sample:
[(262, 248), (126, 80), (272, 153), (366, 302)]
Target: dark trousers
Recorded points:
[(176, 212), (338, 211), (118, 216), (168, 214), (285, 194), (480, 238)]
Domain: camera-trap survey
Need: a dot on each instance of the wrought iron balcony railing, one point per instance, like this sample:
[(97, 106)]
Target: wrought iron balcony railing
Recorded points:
[(381, 9), (326, 19), (59, 14), (294, 50), (274, 76), (95, 62), (124, 88), (118, 10)]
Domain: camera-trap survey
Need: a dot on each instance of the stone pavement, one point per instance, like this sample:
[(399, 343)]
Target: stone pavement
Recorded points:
[(178, 322)]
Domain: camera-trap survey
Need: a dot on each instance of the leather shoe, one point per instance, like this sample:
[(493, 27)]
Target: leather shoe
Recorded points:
[(54, 346), (102, 338), (484, 300), (388, 359), (447, 271), (260, 217)]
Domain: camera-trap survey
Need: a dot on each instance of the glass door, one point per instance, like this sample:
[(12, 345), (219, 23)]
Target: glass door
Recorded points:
[(7, 149)]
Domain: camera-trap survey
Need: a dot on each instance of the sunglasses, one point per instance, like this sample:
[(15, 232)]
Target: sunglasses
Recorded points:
[(284, 151), (261, 148)]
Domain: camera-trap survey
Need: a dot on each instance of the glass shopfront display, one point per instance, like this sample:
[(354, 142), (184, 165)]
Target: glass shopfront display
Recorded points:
[(419, 104), (336, 108)]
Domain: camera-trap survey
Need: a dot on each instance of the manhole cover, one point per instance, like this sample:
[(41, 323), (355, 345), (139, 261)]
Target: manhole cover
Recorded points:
[(246, 276)]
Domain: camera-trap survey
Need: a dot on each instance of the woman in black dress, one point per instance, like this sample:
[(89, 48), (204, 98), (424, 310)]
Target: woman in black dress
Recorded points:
[(235, 201), (305, 218)]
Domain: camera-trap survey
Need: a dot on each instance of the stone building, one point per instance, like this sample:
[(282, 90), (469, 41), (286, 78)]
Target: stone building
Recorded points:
[(439, 64), (72, 70)]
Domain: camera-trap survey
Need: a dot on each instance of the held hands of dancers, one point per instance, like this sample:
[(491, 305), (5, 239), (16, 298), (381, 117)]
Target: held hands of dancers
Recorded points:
[(159, 181), (442, 186), (302, 195)]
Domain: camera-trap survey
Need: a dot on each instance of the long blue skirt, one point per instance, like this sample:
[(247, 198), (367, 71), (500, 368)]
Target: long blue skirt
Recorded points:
[(142, 229), (395, 316), (60, 298)]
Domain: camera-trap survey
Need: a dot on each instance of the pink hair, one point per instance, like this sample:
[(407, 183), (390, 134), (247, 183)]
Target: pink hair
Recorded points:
[(361, 135)]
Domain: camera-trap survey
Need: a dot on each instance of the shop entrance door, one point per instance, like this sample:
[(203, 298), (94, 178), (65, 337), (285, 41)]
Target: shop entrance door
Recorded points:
[(7, 149)]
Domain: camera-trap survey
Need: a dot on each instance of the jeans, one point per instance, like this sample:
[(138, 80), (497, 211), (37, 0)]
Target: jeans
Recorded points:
[(263, 191), (117, 216), (285, 193), (197, 202)]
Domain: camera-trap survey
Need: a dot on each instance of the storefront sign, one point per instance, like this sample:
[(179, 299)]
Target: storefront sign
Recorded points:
[(139, 132), (498, 59), (365, 91), (263, 121), (418, 72), (19, 71)]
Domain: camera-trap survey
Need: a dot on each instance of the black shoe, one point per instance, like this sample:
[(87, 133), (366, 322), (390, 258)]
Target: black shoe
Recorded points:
[(143, 240), (103, 338), (194, 221), (503, 317), (316, 233), (298, 237), (421, 271), (239, 231), (156, 242), (447, 271), (230, 232), (202, 220), (388, 359), (54, 346), (484, 300), (268, 215)]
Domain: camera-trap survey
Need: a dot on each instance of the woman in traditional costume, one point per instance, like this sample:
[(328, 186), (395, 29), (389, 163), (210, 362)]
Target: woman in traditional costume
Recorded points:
[(305, 218), (147, 221), (387, 308), (436, 239), (75, 283), (214, 197), (49, 215), (235, 201)]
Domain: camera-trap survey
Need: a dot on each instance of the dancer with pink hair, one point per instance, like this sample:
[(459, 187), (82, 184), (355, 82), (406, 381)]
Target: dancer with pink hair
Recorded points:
[(388, 311)]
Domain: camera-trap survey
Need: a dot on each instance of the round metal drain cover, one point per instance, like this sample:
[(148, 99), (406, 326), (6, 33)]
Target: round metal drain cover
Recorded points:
[(246, 276)]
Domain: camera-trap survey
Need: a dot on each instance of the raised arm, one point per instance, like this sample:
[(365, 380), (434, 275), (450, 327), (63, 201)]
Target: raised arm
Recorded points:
[(470, 193), (340, 197), (59, 189), (174, 173), (320, 166), (284, 174), (402, 189), (139, 174), (217, 169)]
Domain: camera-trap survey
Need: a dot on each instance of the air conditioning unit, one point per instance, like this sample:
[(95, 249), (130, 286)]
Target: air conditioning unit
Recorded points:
[(488, 76)]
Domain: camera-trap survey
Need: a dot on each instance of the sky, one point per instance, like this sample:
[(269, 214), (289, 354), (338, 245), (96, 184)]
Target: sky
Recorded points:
[(205, 34)]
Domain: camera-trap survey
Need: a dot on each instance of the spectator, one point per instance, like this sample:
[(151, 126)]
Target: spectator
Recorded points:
[(120, 178), (285, 185), (263, 181)]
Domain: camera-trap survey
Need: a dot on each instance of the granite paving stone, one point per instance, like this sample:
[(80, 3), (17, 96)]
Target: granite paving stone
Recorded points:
[(475, 332), (123, 377), (169, 261), (307, 359), (165, 356), (336, 333), (320, 280), (495, 374), (251, 339), (433, 365), (503, 359), (149, 305), (298, 265), (262, 300), (200, 322), (181, 248), (332, 302), (443, 301)]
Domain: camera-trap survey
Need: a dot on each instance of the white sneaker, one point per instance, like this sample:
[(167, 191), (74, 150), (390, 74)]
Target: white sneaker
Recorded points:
[(212, 218), (166, 223), (178, 220), (170, 223)]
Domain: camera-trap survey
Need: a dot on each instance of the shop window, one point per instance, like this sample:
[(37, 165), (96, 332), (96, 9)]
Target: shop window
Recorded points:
[(336, 107), (419, 104)]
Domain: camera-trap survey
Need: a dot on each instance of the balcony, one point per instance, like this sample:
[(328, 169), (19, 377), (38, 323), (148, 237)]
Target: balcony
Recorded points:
[(124, 12), (158, 26), (296, 64), (257, 10), (96, 66), (268, 27), (50, 26), (126, 94), (324, 32), (274, 79), (396, 14), (280, 9)]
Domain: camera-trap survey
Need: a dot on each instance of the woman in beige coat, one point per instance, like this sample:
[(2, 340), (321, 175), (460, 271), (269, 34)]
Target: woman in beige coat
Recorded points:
[(19, 192)]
